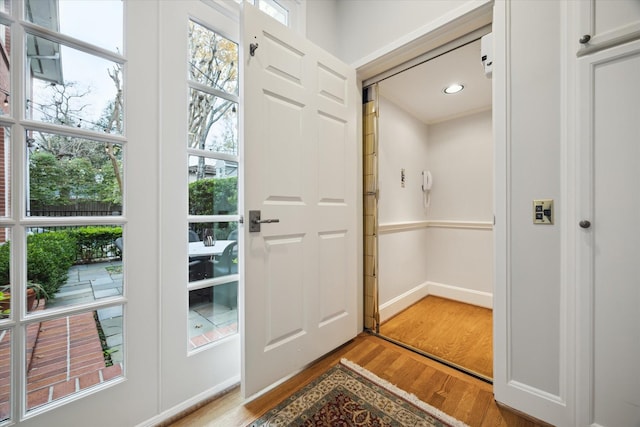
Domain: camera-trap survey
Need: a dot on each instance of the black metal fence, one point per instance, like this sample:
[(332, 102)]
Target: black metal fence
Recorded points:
[(77, 209), (59, 213), (92, 250)]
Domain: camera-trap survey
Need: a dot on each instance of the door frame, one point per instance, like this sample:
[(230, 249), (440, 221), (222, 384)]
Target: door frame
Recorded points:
[(472, 22)]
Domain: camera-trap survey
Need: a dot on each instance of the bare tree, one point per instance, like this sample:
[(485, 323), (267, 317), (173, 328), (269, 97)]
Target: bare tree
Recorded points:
[(114, 120), (213, 63)]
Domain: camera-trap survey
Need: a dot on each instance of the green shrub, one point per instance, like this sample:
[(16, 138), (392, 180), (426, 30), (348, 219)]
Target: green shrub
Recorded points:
[(4, 263), (93, 242), (214, 196), (49, 257)]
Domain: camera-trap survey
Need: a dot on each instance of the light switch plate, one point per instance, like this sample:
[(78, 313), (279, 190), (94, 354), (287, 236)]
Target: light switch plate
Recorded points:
[(543, 211)]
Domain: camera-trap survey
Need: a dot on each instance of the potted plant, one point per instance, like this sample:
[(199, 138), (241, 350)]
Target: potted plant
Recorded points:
[(5, 302), (35, 292)]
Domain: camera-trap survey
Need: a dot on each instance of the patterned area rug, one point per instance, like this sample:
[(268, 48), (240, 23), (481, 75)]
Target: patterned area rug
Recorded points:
[(349, 395)]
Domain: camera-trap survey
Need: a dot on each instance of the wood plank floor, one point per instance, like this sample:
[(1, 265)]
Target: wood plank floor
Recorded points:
[(459, 395), (454, 331)]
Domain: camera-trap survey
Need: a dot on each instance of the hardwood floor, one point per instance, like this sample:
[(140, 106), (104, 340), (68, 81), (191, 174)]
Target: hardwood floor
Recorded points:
[(459, 333), (459, 395)]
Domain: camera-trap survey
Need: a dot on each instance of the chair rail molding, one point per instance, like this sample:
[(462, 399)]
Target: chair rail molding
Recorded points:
[(396, 227)]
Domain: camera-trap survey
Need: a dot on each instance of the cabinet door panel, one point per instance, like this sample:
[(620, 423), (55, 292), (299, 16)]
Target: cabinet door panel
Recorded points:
[(608, 23), (609, 296)]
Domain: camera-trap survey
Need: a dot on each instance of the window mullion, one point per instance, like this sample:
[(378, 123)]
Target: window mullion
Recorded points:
[(212, 154), (37, 30), (73, 131), (213, 91)]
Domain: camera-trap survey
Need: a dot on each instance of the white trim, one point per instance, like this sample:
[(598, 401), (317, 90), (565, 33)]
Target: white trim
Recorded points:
[(458, 22), (417, 225), (402, 301), (502, 176), (456, 293), (567, 326), (545, 395), (213, 392), (431, 54)]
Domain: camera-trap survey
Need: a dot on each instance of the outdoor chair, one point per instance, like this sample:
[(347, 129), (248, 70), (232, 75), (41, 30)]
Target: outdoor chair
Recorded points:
[(119, 245), (197, 265), (227, 262)]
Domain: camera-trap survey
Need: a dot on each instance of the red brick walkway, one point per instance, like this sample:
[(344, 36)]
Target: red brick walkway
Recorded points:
[(64, 356)]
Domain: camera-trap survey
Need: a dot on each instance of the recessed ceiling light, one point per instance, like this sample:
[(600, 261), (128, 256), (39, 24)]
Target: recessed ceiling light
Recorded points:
[(453, 88)]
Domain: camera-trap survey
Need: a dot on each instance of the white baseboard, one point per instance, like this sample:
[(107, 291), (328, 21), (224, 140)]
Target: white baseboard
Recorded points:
[(399, 303), (469, 296), (190, 403)]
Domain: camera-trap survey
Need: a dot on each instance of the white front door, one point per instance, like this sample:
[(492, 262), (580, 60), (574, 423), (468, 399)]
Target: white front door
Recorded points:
[(301, 168)]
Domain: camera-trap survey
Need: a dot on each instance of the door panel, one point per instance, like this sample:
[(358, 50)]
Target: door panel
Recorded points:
[(300, 151), (609, 331)]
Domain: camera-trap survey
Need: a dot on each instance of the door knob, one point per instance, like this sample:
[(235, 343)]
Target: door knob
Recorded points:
[(584, 223), (585, 39)]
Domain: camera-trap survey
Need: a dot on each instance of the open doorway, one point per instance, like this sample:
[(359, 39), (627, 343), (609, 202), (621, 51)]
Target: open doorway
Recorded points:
[(433, 214)]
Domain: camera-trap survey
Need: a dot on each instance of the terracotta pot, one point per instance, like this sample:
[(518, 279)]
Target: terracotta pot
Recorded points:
[(31, 298), (6, 303)]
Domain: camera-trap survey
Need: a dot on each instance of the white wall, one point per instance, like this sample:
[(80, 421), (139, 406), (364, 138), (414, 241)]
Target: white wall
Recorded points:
[(322, 24), (402, 266), (461, 161), (366, 26), (403, 145)]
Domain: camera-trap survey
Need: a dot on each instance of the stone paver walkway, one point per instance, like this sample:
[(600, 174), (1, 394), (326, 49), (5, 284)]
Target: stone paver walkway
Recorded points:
[(90, 282)]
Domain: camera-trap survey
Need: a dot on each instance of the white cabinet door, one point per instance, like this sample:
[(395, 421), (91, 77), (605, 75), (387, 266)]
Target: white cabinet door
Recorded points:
[(300, 153), (606, 23), (608, 377)]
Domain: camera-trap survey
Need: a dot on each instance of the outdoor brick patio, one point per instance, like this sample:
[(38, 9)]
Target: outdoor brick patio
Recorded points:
[(64, 356), (67, 358)]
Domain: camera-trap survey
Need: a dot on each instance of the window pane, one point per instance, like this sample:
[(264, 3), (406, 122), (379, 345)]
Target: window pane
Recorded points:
[(213, 59), (274, 10), (81, 351), (213, 186), (96, 22), (73, 88), (213, 123), (5, 75), (213, 250), (213, 314), (73, 265), (73, 176), (5, 374), (5, 268), (5, 174)]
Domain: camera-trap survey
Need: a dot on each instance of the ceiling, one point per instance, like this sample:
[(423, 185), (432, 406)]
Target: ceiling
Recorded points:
[(419, 90)]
